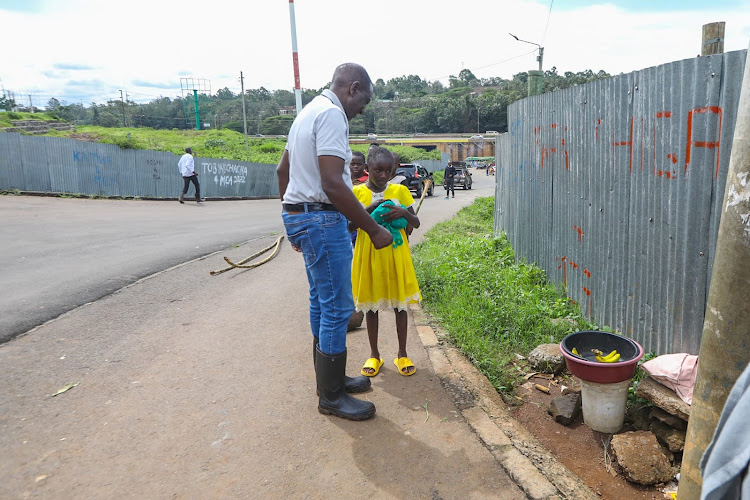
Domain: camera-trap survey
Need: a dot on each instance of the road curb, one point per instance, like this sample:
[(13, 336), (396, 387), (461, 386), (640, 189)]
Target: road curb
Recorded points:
[(536, 471)]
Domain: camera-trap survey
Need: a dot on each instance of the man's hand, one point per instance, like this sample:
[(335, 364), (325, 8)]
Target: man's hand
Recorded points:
[(380, 237)]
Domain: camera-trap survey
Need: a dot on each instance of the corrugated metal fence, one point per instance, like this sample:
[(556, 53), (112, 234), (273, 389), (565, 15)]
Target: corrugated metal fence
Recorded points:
[(53, 164), (615, 189)]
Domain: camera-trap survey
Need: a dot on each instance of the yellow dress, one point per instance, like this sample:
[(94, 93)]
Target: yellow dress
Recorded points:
[(384, 279)]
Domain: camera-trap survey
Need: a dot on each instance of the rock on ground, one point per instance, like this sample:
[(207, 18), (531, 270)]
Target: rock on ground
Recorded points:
[(547, 358), (663, 397), (565, 409), (641, 458), (673, 438), (668, 419)]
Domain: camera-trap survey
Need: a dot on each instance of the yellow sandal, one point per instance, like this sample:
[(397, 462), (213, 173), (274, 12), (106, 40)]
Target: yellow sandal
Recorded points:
[(372, 364), (403, 365)]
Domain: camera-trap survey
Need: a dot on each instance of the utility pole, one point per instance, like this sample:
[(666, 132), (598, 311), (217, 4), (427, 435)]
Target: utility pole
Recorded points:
[(713, 39), (122, 102), (197, 113), (295, 58), (726, 331), (31, 105), (244, 111)]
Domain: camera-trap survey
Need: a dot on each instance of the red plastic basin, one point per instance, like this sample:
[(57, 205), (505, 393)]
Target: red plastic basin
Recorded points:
[(593, 371)]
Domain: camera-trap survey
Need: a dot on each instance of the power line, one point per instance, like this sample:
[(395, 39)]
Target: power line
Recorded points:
[(489, 65), (549, 14), (506, 60)]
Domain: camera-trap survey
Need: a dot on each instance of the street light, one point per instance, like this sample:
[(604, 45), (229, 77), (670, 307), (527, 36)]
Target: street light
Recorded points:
[(477, 115), (541, 49), (476, 96)]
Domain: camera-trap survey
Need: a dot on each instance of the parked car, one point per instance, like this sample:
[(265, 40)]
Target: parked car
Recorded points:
[(463, 176), (415, 177), (372, 136), (477, 136)]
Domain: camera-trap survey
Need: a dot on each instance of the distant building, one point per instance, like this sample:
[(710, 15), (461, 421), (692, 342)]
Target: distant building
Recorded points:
[(288, 110)]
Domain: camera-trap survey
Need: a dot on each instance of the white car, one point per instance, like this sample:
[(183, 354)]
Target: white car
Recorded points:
[(372, 136), (478, 136)]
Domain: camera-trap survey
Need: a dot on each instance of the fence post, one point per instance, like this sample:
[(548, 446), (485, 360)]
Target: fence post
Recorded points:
[(535, 82), (724, 352), (713, 39)]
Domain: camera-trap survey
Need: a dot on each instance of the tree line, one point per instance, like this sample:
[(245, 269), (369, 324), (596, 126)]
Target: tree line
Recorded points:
[(403, 105)]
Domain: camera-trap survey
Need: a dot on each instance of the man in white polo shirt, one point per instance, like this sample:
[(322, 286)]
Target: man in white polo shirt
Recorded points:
[(316, 191)]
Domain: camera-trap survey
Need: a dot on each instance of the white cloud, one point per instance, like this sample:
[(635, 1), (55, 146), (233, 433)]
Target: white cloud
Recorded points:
[(155, 43)]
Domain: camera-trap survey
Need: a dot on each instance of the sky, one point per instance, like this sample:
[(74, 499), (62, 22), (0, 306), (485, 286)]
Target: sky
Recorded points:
[(89, 50)]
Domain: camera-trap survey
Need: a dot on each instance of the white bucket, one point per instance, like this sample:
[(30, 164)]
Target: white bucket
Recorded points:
[(604, 405)]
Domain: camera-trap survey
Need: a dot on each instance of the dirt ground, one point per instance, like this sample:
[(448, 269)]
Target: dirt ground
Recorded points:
[(576, 446)]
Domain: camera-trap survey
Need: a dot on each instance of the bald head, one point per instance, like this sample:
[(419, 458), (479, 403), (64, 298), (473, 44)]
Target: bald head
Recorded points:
[(353, 87), (348, 73)]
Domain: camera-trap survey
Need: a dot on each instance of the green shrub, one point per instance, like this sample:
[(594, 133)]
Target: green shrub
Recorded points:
[(215, 143)]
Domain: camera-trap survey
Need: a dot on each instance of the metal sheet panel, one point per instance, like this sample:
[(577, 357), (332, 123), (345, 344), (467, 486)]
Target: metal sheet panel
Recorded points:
[(615, 189), (34, 163), (60, 165), (63, 159), (11, 166)]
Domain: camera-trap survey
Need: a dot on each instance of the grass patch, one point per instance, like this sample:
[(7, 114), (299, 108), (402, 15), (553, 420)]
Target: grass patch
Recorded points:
[(214, 143), (222, 143), (492, 306), (437, 176), (6, 119)]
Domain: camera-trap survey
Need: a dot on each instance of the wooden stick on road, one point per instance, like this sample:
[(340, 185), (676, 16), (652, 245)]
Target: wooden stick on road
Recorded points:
[(239, 265)]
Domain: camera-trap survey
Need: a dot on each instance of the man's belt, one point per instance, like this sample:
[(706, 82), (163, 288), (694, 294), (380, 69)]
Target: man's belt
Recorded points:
[(308, 207)]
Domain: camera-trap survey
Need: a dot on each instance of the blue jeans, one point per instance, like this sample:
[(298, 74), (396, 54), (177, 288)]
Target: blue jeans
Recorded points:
[(327, 248)]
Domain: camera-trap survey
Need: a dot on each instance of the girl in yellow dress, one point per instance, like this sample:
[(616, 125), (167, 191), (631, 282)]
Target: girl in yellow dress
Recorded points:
[(385, 279)]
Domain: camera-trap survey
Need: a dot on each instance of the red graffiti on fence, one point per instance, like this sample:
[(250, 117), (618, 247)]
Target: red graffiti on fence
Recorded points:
[(628, 143), (703, 144), (550, 147)]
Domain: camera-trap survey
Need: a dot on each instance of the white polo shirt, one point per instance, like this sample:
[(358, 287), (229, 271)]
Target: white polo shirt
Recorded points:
[(321, 129)]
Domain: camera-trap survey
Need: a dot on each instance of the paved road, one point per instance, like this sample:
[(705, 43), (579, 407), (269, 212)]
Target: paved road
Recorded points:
[(192, 386), (59, 253)]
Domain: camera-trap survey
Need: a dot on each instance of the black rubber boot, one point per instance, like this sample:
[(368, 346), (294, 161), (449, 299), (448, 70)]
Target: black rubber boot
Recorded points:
[(333, 398), (353, 385)]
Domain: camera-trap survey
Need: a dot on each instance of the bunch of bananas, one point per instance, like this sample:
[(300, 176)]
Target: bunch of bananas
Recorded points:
[(612, 357)]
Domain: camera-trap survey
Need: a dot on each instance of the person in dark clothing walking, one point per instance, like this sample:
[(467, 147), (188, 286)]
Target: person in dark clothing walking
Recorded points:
[(449, 174)]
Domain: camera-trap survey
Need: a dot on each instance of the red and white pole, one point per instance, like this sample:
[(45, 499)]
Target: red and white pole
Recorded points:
[(295, 58)]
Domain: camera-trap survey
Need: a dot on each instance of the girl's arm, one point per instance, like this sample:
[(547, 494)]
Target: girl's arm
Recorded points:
[(412, 218)]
